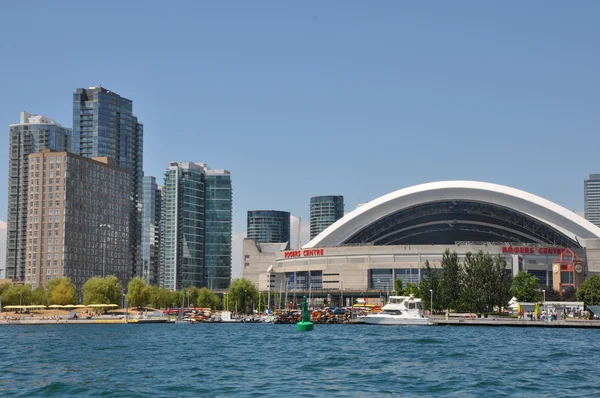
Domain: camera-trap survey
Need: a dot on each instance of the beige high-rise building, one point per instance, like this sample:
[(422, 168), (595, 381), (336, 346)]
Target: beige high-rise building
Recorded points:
[(78, 218)]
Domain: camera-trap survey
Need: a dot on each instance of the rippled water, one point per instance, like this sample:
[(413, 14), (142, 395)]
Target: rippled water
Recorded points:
[(276, 360)]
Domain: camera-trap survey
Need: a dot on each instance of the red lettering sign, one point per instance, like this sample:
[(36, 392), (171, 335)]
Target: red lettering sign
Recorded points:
[(304, 253), (530, 250)]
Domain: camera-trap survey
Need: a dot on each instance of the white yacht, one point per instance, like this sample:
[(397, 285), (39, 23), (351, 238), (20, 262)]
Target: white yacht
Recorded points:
[(399, 310)]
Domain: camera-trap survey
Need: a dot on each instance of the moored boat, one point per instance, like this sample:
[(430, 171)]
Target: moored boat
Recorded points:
[(400, 310)]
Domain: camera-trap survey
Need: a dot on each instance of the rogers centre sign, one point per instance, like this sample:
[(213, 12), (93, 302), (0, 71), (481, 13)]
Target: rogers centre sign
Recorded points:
[(532, 250), (304, 253)]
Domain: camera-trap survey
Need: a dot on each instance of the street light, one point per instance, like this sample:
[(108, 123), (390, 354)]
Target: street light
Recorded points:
[(544, 291), (431, 302), (104, 246), (188, 295)]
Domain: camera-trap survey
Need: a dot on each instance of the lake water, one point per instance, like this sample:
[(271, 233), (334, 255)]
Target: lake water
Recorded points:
[(276, 360)]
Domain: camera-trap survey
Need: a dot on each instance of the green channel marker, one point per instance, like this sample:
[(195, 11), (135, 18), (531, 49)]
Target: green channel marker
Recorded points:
[(305, 324)]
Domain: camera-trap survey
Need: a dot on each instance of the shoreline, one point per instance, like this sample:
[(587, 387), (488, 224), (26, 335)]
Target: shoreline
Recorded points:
[(490, 322)]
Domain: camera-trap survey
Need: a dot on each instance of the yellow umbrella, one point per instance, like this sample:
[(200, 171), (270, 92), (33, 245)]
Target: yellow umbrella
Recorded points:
[(111, 305), (98, 305), (11, 307), (68, 306), (36, 306), (55, 306), (80, 306)]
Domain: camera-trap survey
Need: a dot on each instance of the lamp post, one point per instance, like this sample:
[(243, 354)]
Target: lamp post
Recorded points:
[(104, 246), (431, 302), (544, 291), (245, 304), (188, 296)]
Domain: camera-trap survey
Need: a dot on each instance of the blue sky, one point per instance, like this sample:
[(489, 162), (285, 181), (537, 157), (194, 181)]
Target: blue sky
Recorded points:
[(312, 98)]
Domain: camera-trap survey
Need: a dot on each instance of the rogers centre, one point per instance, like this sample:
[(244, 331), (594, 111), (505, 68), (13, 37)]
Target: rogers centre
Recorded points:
[(393, 236)]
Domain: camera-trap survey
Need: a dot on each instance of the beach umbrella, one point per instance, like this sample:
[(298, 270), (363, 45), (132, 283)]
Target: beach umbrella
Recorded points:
[(80, 306), (97, 305), (111, 305), (11, 307), (68, 306)]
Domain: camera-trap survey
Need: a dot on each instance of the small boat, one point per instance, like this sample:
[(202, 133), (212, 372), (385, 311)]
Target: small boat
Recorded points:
[(400, 310)]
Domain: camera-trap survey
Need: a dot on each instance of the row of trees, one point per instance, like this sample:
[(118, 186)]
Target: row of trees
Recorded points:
[(482, 283), (479, 284), (242, 295), (57, 291)]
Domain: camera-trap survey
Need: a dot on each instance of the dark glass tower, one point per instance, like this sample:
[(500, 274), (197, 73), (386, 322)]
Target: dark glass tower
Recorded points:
[(268, 226), (104, 125), (324, 211), (151, 199), (182, 240), (217, 230), (196, 227), (32, 134)]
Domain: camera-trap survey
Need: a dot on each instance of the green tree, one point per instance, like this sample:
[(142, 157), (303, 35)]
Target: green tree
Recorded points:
[(500, 283), (138, 294), (525, 287), (99, 290), (208, 299), (398, 287), (413, 289), (242, 292), (551, 294), (39, 296), (61, 291), (17, 295), (451, 283), (481, 276), (431, 282), (589, 291)]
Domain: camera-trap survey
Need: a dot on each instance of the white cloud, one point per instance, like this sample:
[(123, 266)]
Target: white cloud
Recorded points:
[(2, 248)]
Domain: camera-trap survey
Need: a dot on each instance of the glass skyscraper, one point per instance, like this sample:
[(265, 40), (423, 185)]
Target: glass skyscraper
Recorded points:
[(591, 194), (151, 209), (268, 226), (324, 211), (196, 227), (104, 126), (218, 226), (182, 241), (32, 134)]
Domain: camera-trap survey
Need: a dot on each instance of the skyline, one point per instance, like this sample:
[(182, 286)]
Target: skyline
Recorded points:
[(318, 99)]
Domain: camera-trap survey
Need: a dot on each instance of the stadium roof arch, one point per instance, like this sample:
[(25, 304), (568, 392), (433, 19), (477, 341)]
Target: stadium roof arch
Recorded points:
[(451, 211)]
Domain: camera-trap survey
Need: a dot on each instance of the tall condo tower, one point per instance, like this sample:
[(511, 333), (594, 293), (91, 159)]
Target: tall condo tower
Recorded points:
[(32, 134), (218, 228), (196, 227), (591, 194), (324, 211), (268, 226), (104, 126)]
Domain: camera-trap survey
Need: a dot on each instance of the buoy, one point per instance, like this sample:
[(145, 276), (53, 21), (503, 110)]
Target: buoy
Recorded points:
[(305, 324)]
